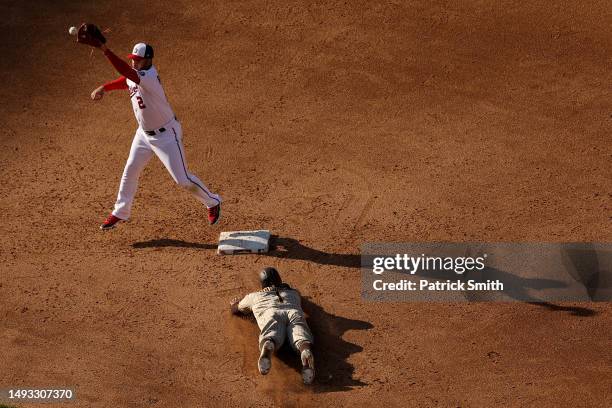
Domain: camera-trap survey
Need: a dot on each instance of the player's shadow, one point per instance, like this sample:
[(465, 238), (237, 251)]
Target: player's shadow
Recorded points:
[(574, 310), (519, 286), (333, 372), (285, 247), (519, 289), (165, 242), (590, 267), (280, 247)]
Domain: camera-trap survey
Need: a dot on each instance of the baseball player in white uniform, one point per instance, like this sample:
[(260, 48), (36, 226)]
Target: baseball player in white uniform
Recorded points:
[(278, 310), (159, 133)]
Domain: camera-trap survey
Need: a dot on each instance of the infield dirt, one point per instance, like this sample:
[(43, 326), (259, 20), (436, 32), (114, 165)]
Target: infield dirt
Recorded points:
[(330, 124)]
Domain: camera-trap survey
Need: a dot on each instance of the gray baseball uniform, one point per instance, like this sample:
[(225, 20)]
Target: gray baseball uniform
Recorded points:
[(279, 315)]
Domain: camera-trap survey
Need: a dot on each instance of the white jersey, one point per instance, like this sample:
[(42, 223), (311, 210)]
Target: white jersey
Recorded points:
[(149, 101)]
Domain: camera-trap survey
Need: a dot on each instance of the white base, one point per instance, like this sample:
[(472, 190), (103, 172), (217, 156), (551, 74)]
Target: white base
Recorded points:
[(241, 242)]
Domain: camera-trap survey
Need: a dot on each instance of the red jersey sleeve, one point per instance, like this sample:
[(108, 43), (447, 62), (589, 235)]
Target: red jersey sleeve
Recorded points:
[(118, 83), (122, 67)]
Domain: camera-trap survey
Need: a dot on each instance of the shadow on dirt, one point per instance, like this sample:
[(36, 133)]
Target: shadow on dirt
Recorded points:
[(334, 372), (574, 310), (285, 247), (522, 289), (280, 247), (165, 242), (589, 266)]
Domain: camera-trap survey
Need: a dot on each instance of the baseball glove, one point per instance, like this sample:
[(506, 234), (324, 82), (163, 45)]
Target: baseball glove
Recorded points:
[(90, 34)]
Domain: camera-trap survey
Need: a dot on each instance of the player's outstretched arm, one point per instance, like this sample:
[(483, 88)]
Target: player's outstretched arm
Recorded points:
[(120, 65), (236, 310)]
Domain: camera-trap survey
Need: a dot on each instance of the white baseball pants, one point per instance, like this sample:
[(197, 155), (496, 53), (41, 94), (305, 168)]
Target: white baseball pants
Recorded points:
[(279, 324), (168, 147)]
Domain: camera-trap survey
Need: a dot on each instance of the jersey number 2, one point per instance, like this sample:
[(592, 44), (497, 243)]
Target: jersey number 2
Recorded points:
[(141, 104)]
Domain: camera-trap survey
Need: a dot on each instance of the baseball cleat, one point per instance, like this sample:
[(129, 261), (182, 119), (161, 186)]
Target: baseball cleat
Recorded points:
[(308, 372), (110, 222), (265, 358), (308, 375), (214, 213)]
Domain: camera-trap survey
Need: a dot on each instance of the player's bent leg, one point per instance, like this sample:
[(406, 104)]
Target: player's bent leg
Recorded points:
[(140, 154), (271, 337), (297, 329), (195, 186), (301, 338), (199, 190), (170, 151)]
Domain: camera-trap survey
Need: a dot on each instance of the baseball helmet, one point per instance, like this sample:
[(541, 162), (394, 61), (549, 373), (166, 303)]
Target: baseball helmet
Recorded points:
[(269, 277), (141, 51)]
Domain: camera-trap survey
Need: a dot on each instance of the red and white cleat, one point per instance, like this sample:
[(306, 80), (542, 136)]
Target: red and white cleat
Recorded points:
[(110, 222), (214, 213)]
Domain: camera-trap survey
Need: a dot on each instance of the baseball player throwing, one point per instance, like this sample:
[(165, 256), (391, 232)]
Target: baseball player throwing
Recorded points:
[(278, 311), (159, 132)]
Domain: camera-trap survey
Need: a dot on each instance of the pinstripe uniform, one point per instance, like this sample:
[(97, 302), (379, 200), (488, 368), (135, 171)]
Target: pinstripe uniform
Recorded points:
[(159, 133), (279, 315)]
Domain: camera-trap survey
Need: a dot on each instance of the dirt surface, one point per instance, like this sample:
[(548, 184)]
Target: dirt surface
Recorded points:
[(331, 124)]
